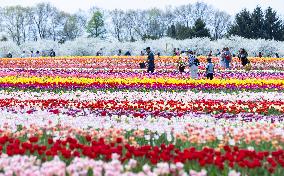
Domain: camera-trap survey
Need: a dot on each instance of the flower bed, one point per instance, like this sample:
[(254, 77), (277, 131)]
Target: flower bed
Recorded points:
[(72, 116)]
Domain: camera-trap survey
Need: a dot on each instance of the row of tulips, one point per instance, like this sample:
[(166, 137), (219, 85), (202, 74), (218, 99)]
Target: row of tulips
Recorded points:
[(195, 129), (127, 63), (142, 108), (27, 111), (90, 73), (132, 96), (184, 155), (23, 165), (138, 83), (143, 104)]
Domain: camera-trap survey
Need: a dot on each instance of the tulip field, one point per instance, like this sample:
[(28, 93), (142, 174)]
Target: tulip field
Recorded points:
[(76, 116)]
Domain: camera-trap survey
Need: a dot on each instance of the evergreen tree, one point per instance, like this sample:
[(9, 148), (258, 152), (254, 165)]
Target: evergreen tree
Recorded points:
[(273, 25), (242, 26), (95, 26), (183, 32), (172, 31), (257, 25), (199, 29)]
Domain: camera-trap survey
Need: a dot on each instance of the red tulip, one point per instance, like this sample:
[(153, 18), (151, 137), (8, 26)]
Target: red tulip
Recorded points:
[(33, 139)]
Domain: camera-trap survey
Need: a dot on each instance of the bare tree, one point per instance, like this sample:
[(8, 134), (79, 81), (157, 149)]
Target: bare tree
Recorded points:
[(129, 18), (140, 23), (117, 18), (184, 15), (200, 10), (57, 22), (73, 27), (15, 22), (32, 29), (156, 27), (169, 16), (42, 14), (220, 22), (44, 21)]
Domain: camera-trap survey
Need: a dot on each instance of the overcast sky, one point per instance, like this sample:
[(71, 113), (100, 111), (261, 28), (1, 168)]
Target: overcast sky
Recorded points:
[(230, 6)]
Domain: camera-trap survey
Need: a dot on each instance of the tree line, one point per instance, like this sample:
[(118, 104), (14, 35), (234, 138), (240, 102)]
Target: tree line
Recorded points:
[(44, 21)]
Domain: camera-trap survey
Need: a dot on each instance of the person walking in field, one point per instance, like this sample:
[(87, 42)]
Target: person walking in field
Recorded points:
[(24, 55), (218, 53), (222, 58), (209, 69), (119, 52), (175, 52), (37, 54), (32, 54), (100, 52), (181, 62), (210, 54), (52, 53), (260, 54), (243, 56), (227, 56), (9, 55), (193, 65), (150, 60)]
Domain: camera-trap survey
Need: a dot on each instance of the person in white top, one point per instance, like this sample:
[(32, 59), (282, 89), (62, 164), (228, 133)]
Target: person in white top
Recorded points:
[(183, 54), (222, 58), (209, 69), (193, 64)]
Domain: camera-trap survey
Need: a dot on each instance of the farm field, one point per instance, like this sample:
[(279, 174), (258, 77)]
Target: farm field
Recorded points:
[(104, 116)]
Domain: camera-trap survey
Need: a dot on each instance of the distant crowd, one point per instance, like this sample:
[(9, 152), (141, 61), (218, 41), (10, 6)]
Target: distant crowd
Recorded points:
[(188, 58), (46, 53), (176, 52)]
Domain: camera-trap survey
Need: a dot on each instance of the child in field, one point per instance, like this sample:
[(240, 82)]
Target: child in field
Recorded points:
[(209, 69)]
